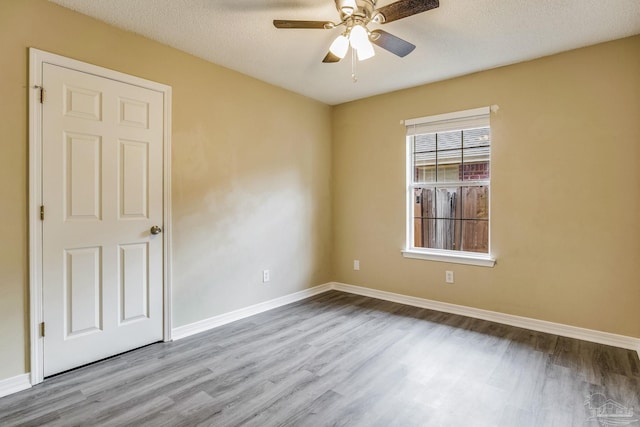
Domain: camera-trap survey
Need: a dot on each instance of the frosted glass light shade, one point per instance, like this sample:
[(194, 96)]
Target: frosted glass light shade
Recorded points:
[(339, 46), (358, 37), (365, 51)]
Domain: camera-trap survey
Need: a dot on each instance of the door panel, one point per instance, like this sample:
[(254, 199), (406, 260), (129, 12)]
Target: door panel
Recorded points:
[(134, 175), (134, 113), (134, 285), (82, 177), (82, 103), (83, 292), (102, 192)]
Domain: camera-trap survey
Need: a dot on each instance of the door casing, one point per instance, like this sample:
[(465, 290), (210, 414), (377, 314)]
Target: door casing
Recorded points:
[(36, 59)]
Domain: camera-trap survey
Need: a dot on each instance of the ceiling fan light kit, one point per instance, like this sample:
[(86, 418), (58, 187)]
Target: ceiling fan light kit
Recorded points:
[(355, 15)]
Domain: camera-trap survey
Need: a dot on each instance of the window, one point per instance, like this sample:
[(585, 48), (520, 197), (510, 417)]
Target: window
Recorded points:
[(448, 187)]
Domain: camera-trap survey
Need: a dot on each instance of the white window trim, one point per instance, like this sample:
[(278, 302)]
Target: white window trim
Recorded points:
[(439, 123), (469, 258)]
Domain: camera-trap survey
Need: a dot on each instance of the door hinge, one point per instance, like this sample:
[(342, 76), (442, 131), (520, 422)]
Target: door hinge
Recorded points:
[(42, 213), (41, 93), (42, 329)]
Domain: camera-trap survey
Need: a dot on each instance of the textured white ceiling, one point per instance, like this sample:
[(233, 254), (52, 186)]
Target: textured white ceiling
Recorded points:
[(460, 37)]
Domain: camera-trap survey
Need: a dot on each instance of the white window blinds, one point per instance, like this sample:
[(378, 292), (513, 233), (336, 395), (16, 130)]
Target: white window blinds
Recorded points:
[(468, 119)]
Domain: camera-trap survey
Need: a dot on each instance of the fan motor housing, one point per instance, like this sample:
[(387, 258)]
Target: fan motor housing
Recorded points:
[(363, 8)]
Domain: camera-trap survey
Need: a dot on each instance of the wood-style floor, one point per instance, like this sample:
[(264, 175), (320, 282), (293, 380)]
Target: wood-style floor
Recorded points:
[(343, 360)]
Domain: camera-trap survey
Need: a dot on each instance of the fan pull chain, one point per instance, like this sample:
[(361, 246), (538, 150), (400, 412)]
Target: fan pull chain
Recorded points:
[(354, 77)]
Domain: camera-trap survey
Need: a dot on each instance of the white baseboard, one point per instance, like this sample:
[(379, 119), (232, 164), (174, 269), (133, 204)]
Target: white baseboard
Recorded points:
[(14, 384), (493, 316), (599, 337), (232, 316)]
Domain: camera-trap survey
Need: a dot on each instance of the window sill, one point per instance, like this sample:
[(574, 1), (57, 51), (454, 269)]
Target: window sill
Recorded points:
[(469, 258)]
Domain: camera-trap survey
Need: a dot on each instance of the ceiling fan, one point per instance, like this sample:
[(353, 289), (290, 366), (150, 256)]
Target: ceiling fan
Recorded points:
[(355, 15)]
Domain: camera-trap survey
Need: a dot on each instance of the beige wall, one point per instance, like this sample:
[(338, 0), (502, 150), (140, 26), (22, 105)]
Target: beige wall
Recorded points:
[(251, 172), (565, 190)]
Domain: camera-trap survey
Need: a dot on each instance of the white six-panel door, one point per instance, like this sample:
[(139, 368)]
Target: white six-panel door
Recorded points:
[(102, 160)]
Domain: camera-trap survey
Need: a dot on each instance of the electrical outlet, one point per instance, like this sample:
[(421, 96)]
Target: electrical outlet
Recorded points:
[(266, 276), (448, 276), (356, 264)]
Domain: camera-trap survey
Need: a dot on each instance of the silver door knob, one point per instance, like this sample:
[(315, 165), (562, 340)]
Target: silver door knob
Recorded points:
[(156, 230)]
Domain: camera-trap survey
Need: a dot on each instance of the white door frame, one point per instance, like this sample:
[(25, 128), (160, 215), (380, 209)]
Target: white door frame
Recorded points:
[(36, 60)]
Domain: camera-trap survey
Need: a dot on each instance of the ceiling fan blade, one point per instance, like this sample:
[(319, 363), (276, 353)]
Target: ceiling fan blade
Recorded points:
[(331, 58), (391, 43), (403, 8), (314, 25)]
